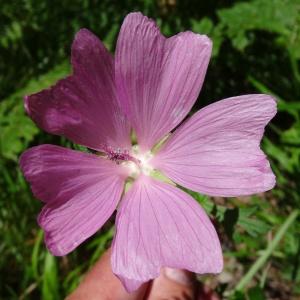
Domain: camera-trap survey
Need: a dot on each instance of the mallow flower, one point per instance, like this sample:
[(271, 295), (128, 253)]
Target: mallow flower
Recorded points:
[(148, 88)]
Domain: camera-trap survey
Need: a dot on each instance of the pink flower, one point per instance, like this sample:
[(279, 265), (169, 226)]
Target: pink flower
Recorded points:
[(150, 86)]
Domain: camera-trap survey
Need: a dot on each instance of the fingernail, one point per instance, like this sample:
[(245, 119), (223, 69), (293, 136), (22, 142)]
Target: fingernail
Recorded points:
[(179, 276)]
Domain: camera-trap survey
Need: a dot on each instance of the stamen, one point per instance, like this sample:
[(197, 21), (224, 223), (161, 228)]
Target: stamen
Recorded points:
[(118, 155), (135, 161)]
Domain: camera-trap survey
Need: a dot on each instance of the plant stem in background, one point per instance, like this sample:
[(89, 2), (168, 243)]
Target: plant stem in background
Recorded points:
[(268, 252)]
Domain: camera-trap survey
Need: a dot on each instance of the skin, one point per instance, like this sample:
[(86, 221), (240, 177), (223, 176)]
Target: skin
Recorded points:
[(101, 284)]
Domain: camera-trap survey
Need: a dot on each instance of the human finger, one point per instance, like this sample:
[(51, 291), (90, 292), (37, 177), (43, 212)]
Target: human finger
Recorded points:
[(101, 284), (173, 284)]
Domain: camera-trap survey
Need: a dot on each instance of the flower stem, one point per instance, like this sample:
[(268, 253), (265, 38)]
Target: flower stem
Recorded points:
[(267, 253)]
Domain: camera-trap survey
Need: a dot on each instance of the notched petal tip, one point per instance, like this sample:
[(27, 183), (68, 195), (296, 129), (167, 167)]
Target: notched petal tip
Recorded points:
[(170, 72), (137, 16), (203, 38), (81, 37), (201, 42), (85, 42), (79, 197), (174, 232), (268, 104), (205, 41), (226, 159), (25, 160), (56, 249), (75, 105), (137, 22)]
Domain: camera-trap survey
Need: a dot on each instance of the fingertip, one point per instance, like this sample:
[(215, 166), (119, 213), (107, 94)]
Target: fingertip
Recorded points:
[(173, 284), (101, 284)]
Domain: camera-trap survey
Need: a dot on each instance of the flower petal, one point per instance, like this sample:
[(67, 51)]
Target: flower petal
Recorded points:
[(159, 225), (83, 107), (81, 192), (217, 152), (158, 79)]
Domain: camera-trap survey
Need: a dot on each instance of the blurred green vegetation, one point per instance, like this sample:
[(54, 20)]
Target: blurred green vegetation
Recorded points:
[(256, 49)]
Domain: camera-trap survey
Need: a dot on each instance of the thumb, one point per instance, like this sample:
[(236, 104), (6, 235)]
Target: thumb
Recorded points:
[(101, 284), (173, 284)]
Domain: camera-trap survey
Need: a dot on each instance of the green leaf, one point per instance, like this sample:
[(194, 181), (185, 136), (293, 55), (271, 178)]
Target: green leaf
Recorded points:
[(256, 293), (50, 284), (268, 251), (254, 227)]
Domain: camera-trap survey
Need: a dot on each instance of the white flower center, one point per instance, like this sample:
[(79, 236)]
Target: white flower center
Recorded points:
[(141, 165)]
